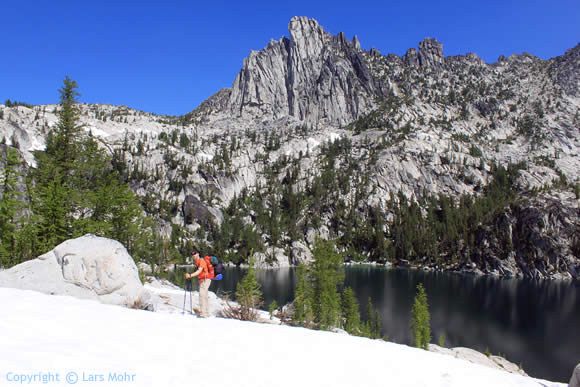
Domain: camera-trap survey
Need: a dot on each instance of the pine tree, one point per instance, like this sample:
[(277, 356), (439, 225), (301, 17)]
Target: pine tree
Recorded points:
[(51, 205), (303, 313), (350, 312), (10, 205), (327, 275), (380, 241), (377, 324), (372, 328), (420, 325), (249, 295), (64, 143), (273, 306), (368, 329), (54, 197)]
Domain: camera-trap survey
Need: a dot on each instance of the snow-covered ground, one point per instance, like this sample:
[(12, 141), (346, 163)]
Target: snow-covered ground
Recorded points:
[(45, 338)]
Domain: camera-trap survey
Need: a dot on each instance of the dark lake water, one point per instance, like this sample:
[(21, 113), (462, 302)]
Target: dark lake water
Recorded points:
[(532, 323)]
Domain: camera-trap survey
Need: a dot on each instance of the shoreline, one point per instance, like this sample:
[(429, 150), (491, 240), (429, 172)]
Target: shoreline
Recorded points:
[(473, 271)]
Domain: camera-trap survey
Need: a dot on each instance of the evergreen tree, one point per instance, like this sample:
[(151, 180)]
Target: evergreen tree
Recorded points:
[(327, 275), (372, 326), (303, 311), (54, 196), (377, 324), (380, 240), (420, 325), (369, 329), (54, 213), (273, 306), (350, 312), (10, 205), (249, 295), (64, 143)]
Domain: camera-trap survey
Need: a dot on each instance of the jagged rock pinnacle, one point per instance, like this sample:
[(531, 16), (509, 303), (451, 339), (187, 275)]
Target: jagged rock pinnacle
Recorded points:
[(312, 76), (430, 54)]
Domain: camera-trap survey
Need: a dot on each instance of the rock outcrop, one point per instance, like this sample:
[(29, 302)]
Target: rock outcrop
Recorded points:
[(540, 240), (300, 253), (273, 258), (194, 210), (476, 357), (430, 54), (313, 76), (215, 103), (566, 71), (87, 267)]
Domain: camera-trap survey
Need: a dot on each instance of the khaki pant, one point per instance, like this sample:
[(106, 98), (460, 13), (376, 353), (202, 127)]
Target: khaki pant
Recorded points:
[(204, 297)]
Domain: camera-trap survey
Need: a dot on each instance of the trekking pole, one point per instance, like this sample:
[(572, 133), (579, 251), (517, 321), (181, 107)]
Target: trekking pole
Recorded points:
[(190, 297), (187, 282)]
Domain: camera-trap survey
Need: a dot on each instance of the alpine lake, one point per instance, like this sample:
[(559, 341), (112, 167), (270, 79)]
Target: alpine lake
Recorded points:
[(532, 323)]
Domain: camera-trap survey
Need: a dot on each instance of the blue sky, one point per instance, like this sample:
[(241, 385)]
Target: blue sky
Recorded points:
[(167, 57)]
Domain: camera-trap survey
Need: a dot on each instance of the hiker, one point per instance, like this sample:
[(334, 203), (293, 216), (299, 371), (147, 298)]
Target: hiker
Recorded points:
[(204, 276)]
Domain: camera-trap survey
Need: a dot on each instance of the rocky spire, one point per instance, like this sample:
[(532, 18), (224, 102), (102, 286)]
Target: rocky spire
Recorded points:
[(430, 54), (411, 57), (356, 42), (312, 76)]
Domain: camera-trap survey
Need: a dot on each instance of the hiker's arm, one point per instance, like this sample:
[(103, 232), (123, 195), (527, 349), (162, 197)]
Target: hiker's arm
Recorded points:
[(198, 272)]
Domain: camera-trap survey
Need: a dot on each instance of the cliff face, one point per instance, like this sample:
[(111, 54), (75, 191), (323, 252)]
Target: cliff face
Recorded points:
[(566, 71), (430, 54), (316, 77), (312, 76), (539, 238), (322, 79)]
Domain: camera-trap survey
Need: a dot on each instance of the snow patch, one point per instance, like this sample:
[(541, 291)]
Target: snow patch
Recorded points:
[(204, 156), (93, 338)]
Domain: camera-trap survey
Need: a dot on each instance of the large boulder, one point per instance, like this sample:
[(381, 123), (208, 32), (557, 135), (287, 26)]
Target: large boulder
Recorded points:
[(300, 253), (195, 211), (322, 233), (476, 357), (87, 267), (273, 258)]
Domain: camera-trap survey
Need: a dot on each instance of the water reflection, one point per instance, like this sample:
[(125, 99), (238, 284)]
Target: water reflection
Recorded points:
[(534, 323)]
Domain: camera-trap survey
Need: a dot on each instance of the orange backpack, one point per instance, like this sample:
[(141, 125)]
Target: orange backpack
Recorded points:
[(209, 272)]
